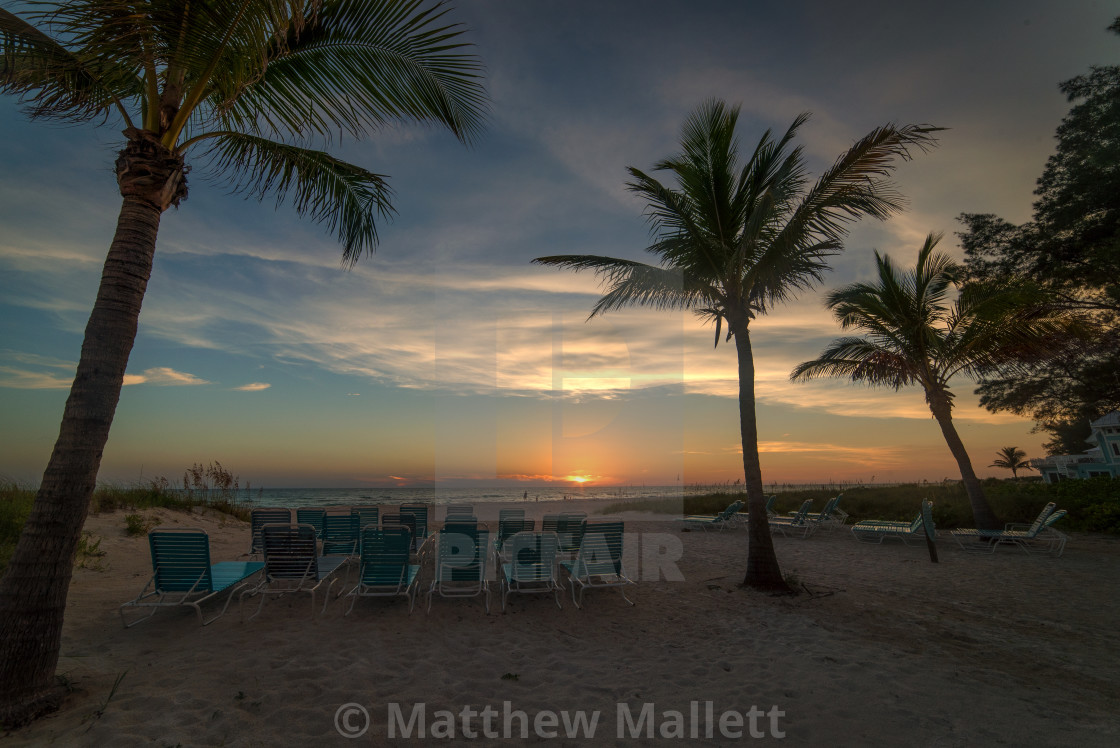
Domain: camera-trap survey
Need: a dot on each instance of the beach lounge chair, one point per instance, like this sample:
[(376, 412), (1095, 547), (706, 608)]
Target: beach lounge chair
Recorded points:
[(183, 575), (340, 534), (1054, 540), (742, 516), (829, 517), (461, 510), (462, 552), (508, 527), (550, 522), (569, 531), (365, 516), (599, 561), (420, 531), (708, 521), (383, 566), (876, 531), (971, 539), (313, 517), (258, 518), (799, 522), (292, 564), (530, 565)]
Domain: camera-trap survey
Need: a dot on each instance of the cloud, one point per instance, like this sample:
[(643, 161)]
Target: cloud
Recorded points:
[(21, 379), (164, 376), (252, 387)]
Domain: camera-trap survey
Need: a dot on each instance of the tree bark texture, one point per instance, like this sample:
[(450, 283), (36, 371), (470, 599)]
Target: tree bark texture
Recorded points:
[(34, 587), (942, 409), (763, 572)]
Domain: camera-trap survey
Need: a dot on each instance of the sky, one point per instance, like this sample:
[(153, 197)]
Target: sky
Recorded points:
[(447, 356)]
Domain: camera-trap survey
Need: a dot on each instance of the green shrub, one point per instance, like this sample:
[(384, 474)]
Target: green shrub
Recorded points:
[(137, 524)]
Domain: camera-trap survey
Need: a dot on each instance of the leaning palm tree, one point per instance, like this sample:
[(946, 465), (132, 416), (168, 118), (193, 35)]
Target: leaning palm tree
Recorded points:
[(1011, 458), (733, 240), (246, 87), (917, 335)]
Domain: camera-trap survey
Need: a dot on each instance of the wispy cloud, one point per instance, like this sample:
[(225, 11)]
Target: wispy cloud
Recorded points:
[(164, 376), (252, 387)]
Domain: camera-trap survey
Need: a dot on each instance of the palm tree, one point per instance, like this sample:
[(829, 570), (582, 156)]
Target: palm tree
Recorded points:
[(247, 86), (732, 241), (1011, 458), (917, 335)]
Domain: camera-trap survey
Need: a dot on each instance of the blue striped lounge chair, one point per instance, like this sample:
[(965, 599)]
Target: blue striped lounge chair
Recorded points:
[(258, 518), (876, 531), (831, 516), (530, 565), (292, 564), (599, 561), (419, 512), (569, 531), (365, 516), (971, 539), (313, 517), (383, 565), (183, 575), (708, 521), (797, 523), (340, 535), (462, 554)]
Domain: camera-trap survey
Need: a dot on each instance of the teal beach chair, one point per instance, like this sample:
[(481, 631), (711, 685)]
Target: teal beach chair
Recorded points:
[(292, 564), (183, 575), (599, 561), (383, 565), (530, 565)]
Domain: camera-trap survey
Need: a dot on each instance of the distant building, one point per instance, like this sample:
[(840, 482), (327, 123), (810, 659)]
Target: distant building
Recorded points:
[(1102, 461)]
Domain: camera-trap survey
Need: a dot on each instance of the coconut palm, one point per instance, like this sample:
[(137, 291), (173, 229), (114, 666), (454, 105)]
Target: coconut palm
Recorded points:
[(732, 240), (245, 88), (1011, 458), (917, 334)]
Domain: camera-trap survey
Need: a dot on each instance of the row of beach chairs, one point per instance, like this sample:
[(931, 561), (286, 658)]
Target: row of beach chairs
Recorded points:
[(802, 522), (311, 556), (1039, 536)]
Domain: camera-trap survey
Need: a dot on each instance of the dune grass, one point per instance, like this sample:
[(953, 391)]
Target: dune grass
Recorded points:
[(16, 500), (1093, 505)]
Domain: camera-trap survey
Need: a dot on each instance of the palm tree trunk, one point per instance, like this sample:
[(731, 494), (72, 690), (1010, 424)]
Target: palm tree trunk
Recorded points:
[(942, 410), (763, 572), (34, 587)]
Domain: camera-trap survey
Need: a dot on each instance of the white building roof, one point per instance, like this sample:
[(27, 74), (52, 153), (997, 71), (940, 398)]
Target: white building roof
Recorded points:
[(1109, 419)]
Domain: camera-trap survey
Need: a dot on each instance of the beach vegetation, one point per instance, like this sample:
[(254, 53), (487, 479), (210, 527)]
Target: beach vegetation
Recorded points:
[(249, 91), (915, 333), (137, 524), (733, 240), (89, 553)]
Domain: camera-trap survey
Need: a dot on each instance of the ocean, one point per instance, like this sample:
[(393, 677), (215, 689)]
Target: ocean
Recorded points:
[(305, 497), (309, 497)]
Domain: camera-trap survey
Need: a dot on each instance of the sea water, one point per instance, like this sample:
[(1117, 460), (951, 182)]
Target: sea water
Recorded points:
[(309, 497)]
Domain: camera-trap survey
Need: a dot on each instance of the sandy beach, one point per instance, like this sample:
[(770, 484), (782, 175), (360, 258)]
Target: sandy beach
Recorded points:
[(885, 649)]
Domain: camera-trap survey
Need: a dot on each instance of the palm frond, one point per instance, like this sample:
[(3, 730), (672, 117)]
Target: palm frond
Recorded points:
[(857, 184), (53, 81), (630, 283), (860, 361), (345, 197), (357, 65)]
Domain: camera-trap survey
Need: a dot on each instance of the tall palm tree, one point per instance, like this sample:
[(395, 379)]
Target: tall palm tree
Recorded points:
[(247, 86), (1011, 458), (733, 240), (917, 334)]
